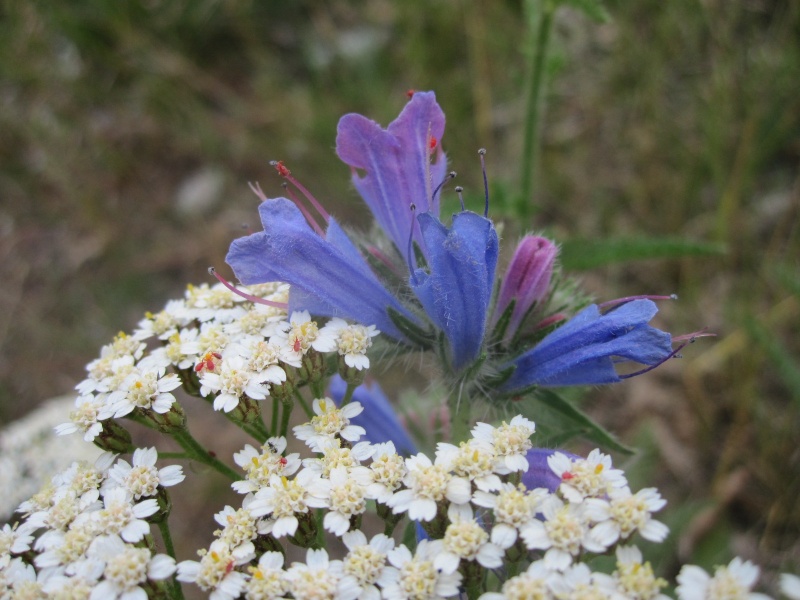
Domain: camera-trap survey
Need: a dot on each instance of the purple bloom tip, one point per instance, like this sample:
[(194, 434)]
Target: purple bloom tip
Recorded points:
[(527, 280), (396, 162)]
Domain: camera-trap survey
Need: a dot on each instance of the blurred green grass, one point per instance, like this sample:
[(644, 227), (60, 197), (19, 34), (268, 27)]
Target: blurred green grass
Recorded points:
[(676, 119)]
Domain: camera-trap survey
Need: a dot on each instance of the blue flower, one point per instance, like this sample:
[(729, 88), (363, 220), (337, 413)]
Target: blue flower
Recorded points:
[(379, 418), (328, 276), (586, 349), (456, 290), (397, 165)]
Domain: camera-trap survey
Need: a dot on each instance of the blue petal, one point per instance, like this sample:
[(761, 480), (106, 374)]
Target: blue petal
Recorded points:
[(397, 164), (328, 276), (583, 351), (456, 292), (379, 418)]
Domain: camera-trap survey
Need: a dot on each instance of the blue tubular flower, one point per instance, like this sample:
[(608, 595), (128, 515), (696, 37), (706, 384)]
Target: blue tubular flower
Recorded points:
[(456, 291), (329, 277), (379, 418), (585, 350), (397, 162)]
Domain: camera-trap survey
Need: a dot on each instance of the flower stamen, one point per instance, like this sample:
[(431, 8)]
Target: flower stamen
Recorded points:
[(245, 295)]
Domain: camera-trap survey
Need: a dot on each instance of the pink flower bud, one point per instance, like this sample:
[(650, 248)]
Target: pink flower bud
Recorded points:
[(527, 280)]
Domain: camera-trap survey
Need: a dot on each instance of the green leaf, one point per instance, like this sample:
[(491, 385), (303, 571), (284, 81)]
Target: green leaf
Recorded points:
[(570, 421), (579, 254), (411, 330)]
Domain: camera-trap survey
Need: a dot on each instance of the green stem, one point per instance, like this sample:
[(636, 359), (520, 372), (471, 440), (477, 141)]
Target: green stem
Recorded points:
[(276, 407), (538, 46), (318, 388), (196, 452), (348, 394), (256, 430), (163, 527), (288, 405), (458, 404), (173, 455), (166, 535), (306, 407)]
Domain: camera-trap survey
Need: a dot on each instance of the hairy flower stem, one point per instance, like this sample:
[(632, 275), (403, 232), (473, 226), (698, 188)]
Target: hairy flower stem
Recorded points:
[(460, 422), (540, 29), (196, 452)]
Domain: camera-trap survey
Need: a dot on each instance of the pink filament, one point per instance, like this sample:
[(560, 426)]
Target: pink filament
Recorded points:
[(246, 296)]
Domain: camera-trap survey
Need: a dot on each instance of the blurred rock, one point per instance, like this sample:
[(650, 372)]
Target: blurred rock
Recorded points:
[(200, 192)]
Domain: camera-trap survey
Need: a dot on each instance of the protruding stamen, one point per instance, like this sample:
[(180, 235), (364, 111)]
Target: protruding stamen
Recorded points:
[(460, 192), (692, 337), (546, 322), (245, 295), (685, 339), (482, 154), (618, 301), (258, 191), (310, 219), (450, 176), (284, 172), (410, 93)]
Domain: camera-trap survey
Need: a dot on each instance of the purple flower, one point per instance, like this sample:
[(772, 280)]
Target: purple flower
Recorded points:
[(527, 281), (379, 418), (456, 290), (586, 349), (397, 165), (329, 277)]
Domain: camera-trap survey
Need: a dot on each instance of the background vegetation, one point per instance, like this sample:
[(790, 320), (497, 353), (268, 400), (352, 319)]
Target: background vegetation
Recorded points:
[(672, 134)]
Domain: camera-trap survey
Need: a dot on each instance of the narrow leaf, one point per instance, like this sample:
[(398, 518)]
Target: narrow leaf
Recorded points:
[(579, 254)]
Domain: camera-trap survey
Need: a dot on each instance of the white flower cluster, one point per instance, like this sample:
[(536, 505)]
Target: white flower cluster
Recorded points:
[(87, 534), (480, 533), (477, 517), (235, 348), (30, 454)]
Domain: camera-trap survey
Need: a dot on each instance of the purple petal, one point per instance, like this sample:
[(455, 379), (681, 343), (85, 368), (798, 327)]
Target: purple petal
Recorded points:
[(456, 292), (583, 351), (397, 162), (328, 276), (527, 279)]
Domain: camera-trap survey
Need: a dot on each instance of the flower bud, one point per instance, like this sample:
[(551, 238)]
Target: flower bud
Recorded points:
[(169, 422), (526, 282), (247, 411), (351, 375), (314, 367), (114, 438)]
